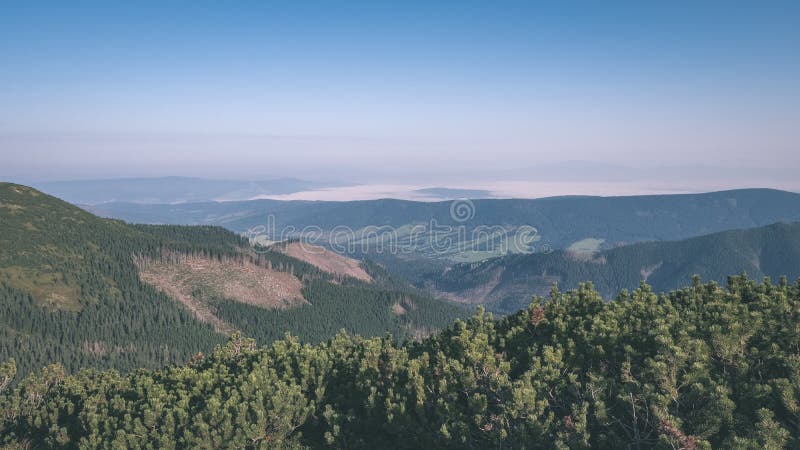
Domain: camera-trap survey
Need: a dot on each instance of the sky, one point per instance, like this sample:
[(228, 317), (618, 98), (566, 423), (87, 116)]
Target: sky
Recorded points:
[(400, 92)]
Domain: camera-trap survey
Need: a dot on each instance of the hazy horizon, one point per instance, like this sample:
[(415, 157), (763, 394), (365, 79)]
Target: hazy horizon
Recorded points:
[(673, 97), (559, 181)]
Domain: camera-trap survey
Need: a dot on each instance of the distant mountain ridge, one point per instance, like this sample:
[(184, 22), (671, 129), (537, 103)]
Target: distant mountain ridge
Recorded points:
[(167, 190), (506, 283), (561, 222)]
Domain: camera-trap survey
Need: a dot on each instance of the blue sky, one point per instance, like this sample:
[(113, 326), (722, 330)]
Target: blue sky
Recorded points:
[(262, 89)]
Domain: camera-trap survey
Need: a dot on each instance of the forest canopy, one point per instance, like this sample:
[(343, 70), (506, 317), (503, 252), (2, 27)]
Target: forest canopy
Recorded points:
[(701, 367)]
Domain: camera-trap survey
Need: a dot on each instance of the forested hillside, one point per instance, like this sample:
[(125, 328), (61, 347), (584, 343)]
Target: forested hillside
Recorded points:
[(698, 368), (504, 283), (70, 292)]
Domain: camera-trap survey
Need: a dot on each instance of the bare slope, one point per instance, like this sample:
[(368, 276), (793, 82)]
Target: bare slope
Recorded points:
[(192, 279), (326, 260)]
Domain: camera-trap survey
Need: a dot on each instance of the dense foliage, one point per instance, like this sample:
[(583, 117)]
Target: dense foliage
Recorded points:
[(700, 367), (357, 307)]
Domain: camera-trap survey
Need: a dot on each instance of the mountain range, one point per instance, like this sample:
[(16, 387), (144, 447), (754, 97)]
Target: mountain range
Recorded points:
[(91, 292), (491, 228), (171, 189), (505, 284)]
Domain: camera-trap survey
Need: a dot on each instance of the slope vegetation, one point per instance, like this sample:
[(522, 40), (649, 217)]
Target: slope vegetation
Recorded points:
[(506, 283), (71, 291)]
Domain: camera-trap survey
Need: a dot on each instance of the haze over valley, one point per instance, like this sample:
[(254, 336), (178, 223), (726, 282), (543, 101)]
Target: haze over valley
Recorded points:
[(411, 225)]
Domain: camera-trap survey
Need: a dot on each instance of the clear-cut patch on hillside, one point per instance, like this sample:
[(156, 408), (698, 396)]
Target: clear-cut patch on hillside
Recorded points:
[(194, 280), (479, 294), (645, 272), (325, 260)]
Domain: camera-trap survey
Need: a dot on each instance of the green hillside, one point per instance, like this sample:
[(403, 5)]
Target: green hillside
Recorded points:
[(505, 283), (699, 368), (71, 293)]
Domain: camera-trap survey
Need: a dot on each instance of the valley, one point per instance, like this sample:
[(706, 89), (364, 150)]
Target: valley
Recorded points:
[(393, 338), (494, 227), (508, 250), (501, 284), (289, 225)]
